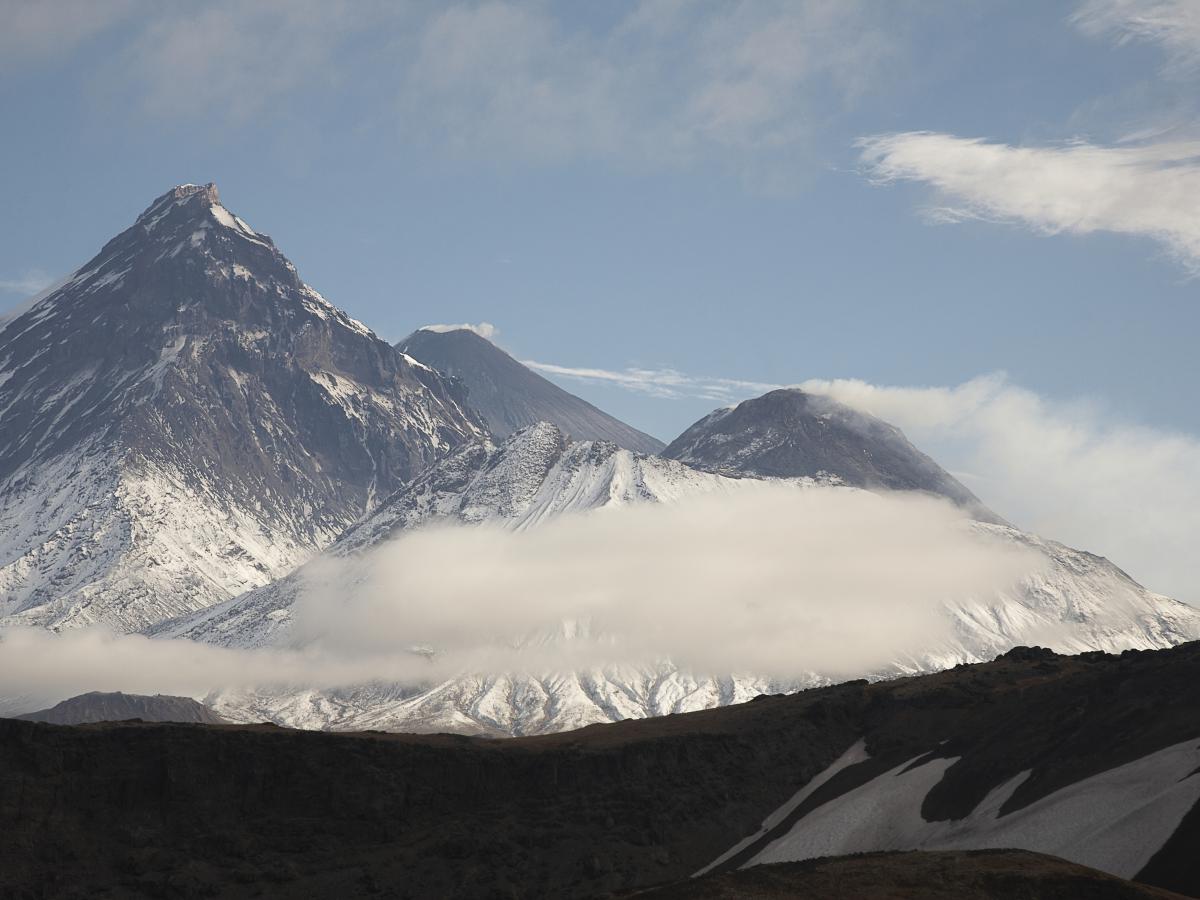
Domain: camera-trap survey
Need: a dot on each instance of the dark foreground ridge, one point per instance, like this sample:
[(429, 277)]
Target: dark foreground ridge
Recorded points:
[(240, 811), (949, 875)]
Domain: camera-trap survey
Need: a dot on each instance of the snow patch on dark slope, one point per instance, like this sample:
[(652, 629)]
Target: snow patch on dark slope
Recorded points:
[(1114, 821), (1093, 758), (789, 433), (185, 419), (511, 396)]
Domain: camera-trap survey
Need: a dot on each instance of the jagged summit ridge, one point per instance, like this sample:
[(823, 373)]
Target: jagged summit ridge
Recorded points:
[(185, 419), (206, 195), (195, 212)]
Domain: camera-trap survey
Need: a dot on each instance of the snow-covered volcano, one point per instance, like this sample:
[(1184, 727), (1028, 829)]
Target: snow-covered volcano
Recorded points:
[(185, 419), (538, 474), (186, 422)]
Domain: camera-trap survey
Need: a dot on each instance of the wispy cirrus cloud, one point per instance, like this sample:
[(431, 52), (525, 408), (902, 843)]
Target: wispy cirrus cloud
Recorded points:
[(649, 83), (1173, 24), (26, 284), (210, 56), (33, 32), (241, 58), (1147, 190), (663, 83), (666, 383)]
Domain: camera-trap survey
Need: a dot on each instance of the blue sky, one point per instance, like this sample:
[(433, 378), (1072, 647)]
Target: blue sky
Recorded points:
[(677, 197)]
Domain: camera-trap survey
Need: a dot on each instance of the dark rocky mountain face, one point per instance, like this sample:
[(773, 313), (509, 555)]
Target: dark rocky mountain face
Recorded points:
[(246, 810), (184, 418), (99, 706), (511, 396), (789, 433)]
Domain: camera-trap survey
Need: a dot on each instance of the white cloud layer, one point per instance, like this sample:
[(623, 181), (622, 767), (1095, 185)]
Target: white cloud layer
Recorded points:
[(769, 579), (1064, 471), (1150, 190), (483, 329), (1174, 24)]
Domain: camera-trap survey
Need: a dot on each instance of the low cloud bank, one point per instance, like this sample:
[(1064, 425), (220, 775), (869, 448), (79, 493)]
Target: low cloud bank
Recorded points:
[(1126, 491), (771, 579), (1066, 470)]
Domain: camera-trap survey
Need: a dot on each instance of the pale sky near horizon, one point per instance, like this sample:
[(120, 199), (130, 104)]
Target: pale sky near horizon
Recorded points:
[(683, 203)]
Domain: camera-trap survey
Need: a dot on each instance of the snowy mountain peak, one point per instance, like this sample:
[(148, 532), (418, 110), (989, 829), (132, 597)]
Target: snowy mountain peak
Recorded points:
[(187, 216), (186, 419), (538, 474)]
